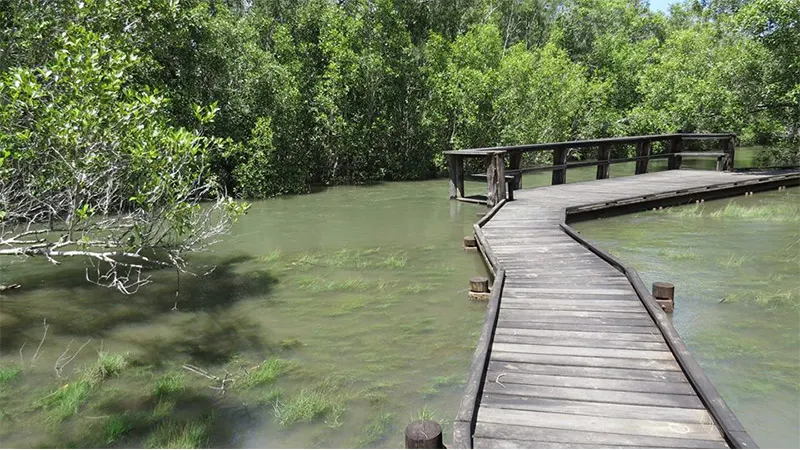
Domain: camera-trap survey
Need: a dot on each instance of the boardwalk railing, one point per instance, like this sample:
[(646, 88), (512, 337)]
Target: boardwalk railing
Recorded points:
[(502, 179)]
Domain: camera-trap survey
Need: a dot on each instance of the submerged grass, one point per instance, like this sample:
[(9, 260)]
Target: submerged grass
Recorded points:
[(765, 212), (265, 373), (309, 405), (106, 366), (733, 261), (678, 254), (66, 400), (180, 434), (169, 384), (377, 430), (7, 374)]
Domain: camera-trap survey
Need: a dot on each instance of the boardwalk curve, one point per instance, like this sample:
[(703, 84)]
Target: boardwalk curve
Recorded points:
[(575, 352)]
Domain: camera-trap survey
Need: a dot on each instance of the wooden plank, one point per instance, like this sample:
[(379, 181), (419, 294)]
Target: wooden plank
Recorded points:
[(597, 343), (594, 372), (658, 387), (655, 336), (583, 351), (592, 395), (583, 438), (585, 361), (508, 443), (521, 313), (540, 325), (589, 306), (681, 415), (639, 427), (505, 316)]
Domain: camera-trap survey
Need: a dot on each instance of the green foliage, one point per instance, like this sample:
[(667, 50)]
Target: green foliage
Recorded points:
[(66, 400), (169, 384), (180, 434), (8, 374), (312, 91), (107, 365), (309, 405), (265, 373)]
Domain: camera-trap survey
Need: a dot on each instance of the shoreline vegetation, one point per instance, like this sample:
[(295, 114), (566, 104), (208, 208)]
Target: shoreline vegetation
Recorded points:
[(311, 92)]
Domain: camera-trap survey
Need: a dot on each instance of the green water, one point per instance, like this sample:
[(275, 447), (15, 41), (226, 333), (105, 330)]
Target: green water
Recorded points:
[(735, 265), (361, 290)]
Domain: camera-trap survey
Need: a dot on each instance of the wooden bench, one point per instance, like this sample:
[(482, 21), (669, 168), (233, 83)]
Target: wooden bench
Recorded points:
[(720, 156)]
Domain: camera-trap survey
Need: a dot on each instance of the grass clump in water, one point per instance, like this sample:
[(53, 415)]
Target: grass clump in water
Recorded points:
[(66, 401), (169, 384), (376, 431), (678, 254), (176, 434), (733, 261), (396, 260), (265, 373), (309, 405), (765, 212), (271, 257), (106, 366), (116, 427), (7, 374)]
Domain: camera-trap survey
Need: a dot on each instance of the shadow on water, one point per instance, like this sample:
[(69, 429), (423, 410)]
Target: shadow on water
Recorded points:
[(92, 311)]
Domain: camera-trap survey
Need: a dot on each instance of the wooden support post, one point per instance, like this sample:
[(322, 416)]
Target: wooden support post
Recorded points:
[(424, 434), (470, 243), (495, 178), (560, 159), (479, 288), (455, 166), (515, 163), (664, 294), (730, 152), (642, 156), (675, 147), (603, 165)]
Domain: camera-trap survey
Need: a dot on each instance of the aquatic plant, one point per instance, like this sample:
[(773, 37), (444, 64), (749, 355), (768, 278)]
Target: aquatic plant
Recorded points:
[(395, 260), (106, 365), (272, 256), (770, 212), (66, 400), (168, 384), (733, 261), (265, 373), (677, 254), (309, 405), (376, 430), (179, 434), (116, 427), (8, 373)]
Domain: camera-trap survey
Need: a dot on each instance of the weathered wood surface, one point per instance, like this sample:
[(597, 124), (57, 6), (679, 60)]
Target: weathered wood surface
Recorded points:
[(578, 358)]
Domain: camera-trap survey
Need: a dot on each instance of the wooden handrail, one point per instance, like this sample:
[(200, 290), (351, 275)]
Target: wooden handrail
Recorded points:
[(589, 143), (499, 187)]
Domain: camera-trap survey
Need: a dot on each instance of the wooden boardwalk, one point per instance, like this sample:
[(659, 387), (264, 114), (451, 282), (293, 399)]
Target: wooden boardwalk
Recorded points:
[(575, 352)]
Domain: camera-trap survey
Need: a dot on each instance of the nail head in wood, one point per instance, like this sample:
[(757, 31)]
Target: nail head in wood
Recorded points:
[(424, 434)]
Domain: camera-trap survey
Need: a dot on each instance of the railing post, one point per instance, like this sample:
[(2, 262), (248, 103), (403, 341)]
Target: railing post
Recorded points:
[(730, 152), (455, 167), (642, 156), (603, 164), (515, 163), (495, 178), (675, 147), (559, 159)]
